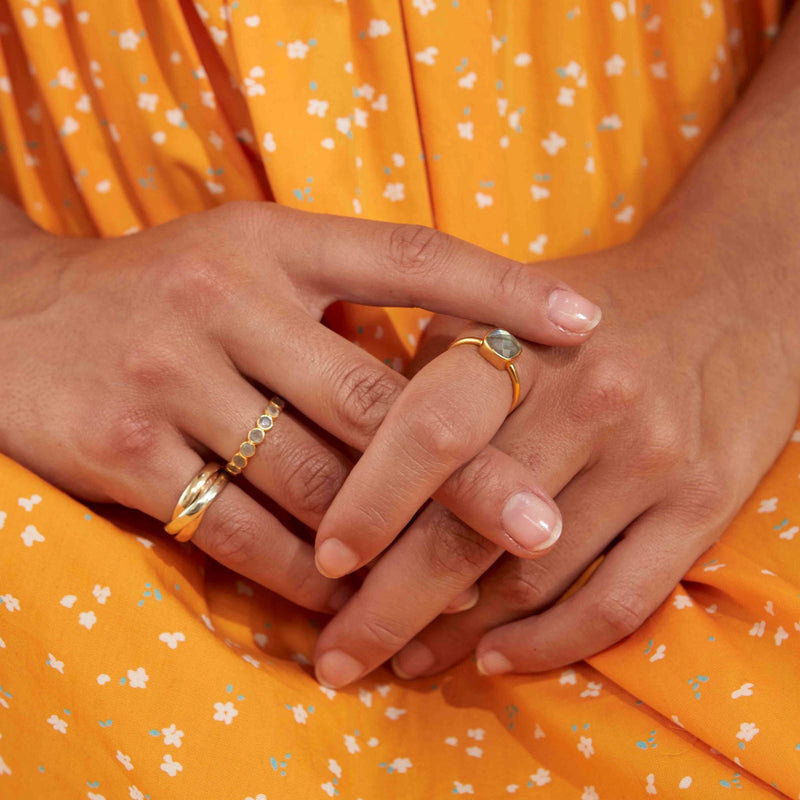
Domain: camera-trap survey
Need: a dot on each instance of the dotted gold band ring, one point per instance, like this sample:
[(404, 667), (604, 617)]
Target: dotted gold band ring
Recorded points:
[(501, 349), (264, 423)]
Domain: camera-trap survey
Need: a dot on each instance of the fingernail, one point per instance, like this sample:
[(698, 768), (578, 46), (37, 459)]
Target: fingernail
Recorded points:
[(414, 659), (340, 597), (466, 600), (336, 668), (572, 312), (530, 522), (493, 663), (334, 559)]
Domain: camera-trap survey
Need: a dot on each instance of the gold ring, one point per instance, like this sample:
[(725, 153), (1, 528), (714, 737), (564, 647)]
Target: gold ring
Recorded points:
[(501, 349), (264, 423), (195, 500)]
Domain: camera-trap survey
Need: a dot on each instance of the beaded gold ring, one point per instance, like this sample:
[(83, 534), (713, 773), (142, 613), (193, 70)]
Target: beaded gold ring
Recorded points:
[(256, 435)]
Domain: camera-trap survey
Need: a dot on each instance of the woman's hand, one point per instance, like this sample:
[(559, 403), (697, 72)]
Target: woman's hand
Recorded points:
[(124, 359), (650, 437)]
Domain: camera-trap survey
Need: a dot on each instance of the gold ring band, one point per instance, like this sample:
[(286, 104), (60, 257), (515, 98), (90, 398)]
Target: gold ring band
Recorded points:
[(501, 349), (194, 501), (256, 435)]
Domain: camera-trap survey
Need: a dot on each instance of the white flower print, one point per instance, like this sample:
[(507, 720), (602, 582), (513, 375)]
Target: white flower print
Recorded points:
[(137, 678), (401, 765), (55, 663), (589, 793), (259, 796), (682, 601), (300, 714), (351, 744), (615, 65), (427, 56), (378, 27), (474, 751), (124, 760), (398, 159), (87, 619), (147, 101), (328, 788), (101, 593), (66, 78), (466, 130), (540, 777), (51, 17), (317, 108), (225, 712), (553, 143), (171, 767), (171, 639), (747, 730), (360, 117), (136, 794), (58, 724), (175, 117), (69, 126), (129, 39), (395, 192), (586, 747), (566, 96), (567, 676), (172, 736), (477, 734), (253, 21), (4, 768), (343, 125), (219, 35), (424, 6), (592, 689), (462, 788), (208, 99), (29, 17), (758, 628), (537, 245), (483, 200), (522, 59), (268, 142), (30, 535), (780, 635), (84, 104), (297, 49), (333, 766)]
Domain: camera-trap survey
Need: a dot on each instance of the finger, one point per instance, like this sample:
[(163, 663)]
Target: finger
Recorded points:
[(290, 464), (333, 382), (403, 592), (236, 530), (633, 580), (445, 417), (463, 602), (381, 263), (514, 588)]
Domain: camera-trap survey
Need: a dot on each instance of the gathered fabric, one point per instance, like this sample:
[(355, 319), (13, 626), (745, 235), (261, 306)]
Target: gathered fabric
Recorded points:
[(132, 665)]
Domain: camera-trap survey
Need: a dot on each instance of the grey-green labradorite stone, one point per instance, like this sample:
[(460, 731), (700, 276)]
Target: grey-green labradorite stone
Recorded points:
[(503, 343)]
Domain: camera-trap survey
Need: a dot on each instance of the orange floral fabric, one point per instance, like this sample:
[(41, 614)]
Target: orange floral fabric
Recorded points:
[(134, 666)]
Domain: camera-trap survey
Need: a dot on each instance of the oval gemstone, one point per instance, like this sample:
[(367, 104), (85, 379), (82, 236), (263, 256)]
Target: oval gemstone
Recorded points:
[(265, 422), (279, 401), (273, 409), (503, 343), (247, 449), (239, 461), (256, 435)]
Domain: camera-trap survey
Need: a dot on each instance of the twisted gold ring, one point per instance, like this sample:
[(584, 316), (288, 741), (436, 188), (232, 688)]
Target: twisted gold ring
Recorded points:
[(195, 500)]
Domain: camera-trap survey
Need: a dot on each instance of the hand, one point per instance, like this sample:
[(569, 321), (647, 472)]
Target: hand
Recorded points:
[(125, 359), (650, 437)]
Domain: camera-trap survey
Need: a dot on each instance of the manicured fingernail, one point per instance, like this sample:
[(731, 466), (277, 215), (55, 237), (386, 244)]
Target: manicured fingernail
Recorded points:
[(465, 601), (414, 659), (336, 668), (335, 558), (530, 522), (572, 312), (493, 663), (340, 597)]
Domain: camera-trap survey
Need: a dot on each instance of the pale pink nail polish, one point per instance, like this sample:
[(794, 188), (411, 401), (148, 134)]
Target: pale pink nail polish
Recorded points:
[(334, 559), (336, 668), (572, 312), (414, 659), (530, 522), (493, 663)]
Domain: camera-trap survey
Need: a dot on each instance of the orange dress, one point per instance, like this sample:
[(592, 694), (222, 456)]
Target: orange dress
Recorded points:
[(132, 666)]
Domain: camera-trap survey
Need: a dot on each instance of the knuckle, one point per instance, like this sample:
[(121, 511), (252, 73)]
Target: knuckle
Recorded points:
[(387, 633), (417, 249), (152, 365), (194, 281), (129, 437), (622, 614), (233, 537), (438, 432), (707, 495), (479, 477), (312, 481), (609, 390), (511, 281), (457, 550), (527, 588), (661, 445), (365, 395)]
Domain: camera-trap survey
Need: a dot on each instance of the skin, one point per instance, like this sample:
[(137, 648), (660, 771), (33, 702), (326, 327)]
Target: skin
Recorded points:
[(129, 362), (651, 436)]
